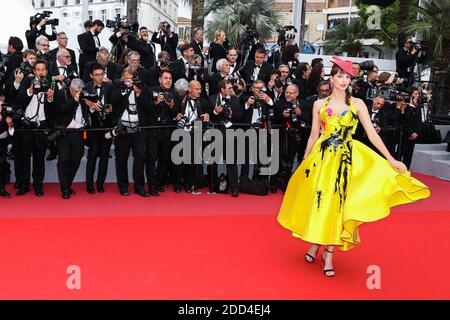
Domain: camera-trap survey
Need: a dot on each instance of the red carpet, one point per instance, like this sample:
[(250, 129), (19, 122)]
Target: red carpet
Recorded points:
[(181, 246)]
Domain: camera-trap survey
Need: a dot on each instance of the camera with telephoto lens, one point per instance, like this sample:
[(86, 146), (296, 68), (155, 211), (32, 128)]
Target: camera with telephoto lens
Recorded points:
[(182, 122), (37, 18), (283, 34), (40, 85), (25, 68), (56, 133), (291, 108), (7, 111), (71, 74), (168, 96), (227, 106), (119, 130)]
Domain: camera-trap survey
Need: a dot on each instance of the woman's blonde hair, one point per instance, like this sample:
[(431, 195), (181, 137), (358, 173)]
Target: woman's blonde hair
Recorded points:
[(217, 35)]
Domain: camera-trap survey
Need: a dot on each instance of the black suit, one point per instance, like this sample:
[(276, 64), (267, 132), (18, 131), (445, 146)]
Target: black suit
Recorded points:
[(33, 143), (146, 50), (158, 140), (88, 45), (179, 68), (412, 123), (198, 50), (167, 44), (73, 61), (264, 72), (99, 146), (142, 74), (70, 144), (237, 116), (14, 62), (130, 141)]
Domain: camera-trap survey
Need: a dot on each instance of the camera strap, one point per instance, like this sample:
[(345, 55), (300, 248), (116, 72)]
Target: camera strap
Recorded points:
[(40, 100)]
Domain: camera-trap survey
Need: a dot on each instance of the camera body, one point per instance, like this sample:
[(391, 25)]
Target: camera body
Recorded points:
[(227, 106), (286, 33), (25, 68), (93, 97), (38, 17), (121, 22), (71, 74), (40, 85)]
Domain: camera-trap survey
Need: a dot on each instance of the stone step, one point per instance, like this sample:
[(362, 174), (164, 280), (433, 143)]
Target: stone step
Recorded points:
[(435, 146)]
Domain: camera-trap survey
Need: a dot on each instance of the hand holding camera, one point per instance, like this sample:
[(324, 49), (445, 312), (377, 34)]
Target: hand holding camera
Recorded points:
[(50, 94), (18, 76), (251, 100)]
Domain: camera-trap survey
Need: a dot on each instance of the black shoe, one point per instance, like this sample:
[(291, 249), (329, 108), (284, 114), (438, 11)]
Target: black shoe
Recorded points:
[(160, 189), (273, 189), (51, 156), (71, 191), (234, 192), (177, 189), (4, 193), (154, 193), (124, 193), (142, 193), (22, 191), (100, 189), (38, 192), (16, 185), (65, 194), (90, 189)]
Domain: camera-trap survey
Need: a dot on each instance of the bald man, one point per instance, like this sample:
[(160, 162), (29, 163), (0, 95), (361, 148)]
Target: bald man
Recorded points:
[(193, 108)]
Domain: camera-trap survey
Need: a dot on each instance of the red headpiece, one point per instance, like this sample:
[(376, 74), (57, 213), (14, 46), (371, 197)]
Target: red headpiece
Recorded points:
[(345, 65)]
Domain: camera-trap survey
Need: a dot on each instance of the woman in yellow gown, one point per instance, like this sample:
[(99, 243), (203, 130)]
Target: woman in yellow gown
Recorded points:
[(342, 183)]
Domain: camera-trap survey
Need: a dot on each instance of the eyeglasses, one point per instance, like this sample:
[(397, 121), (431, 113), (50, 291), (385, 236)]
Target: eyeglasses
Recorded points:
[(68, 57), (63, 38), (45, 45)]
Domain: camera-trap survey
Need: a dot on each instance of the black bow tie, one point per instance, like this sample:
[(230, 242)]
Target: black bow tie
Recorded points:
[(98, 87), (257, 66), (232, 65)]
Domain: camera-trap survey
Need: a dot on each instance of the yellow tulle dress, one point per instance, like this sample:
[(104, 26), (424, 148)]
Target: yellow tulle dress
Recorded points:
[(342, 184)]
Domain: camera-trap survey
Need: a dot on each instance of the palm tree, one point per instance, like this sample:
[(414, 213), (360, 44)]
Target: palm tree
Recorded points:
[(434, 26), (233, 16), (347, 38), (132, 11), (403, 15)]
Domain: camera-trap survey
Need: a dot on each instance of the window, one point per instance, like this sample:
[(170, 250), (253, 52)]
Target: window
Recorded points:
[(77, 1), (91, 15), (65, 2), (52, 3), (42, 3), (118, 12), (90, 1), (103, 15), (77, 15), (65, 15)]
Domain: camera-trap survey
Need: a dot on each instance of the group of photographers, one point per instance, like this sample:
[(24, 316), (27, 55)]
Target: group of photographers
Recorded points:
[(50, 101)]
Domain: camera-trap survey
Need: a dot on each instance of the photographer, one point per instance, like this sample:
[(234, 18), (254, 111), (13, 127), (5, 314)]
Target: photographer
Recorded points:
[(232, 57), (223, 72), (257, 69), (35, 100), (197, 44), (43, 51), (195, 108), (227, 109), (62, 71), (14, 62), (71, 113), (122, 39), (275, 86), (258, 112), (62, 40), (406, 58), (89, 43), (145, 47), (412, 125), (295, 119), (301, 73), (109, 67), (99, 116), (38, 24), (134, 62), (181, 65), (164, 63), (167, 39), (129, 101), (6, 131), (163, 109)]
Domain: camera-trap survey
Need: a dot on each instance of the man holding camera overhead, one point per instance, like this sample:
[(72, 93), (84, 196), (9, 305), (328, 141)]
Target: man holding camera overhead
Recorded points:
[(99, 116), (167, 39), (38, 25), (35, 100), (71, 113)]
